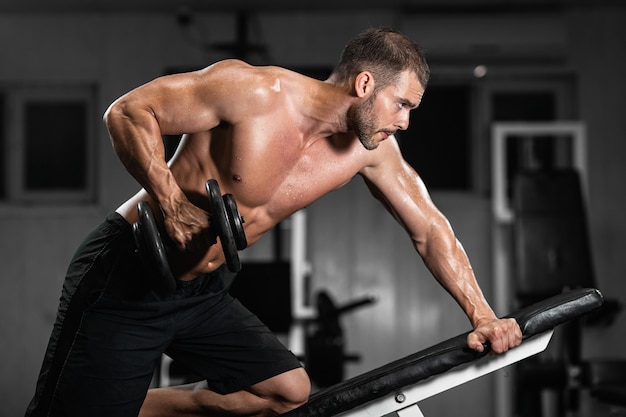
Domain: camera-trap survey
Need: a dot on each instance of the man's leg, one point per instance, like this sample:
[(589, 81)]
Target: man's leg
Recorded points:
[(101, 354), (271, 397)]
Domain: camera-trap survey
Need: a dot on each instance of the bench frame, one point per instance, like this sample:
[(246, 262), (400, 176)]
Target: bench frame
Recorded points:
[(405, 401)]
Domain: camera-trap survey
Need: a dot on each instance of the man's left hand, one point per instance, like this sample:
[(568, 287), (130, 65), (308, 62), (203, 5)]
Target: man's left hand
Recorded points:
[(500, 334)]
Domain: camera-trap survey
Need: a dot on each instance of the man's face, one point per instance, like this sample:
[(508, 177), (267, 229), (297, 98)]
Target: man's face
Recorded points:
[(386, 110)]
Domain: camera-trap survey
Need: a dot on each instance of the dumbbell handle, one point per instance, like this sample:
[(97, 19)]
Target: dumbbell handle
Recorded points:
[(225, 223)]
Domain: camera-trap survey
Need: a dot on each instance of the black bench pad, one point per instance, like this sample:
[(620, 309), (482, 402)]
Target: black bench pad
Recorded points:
[(437, 359)]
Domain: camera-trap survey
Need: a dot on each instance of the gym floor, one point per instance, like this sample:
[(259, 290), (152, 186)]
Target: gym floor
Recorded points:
[(589, 407)]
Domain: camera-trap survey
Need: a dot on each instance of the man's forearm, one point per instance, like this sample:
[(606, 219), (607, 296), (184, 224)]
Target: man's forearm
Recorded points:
[(137, 141), (448, 262)]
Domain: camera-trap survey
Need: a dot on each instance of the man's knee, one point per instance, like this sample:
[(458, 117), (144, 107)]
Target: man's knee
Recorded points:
[(286, 391), (271, 397), (299, 390)]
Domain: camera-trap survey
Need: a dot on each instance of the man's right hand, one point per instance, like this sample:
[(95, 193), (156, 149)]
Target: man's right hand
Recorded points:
[(188, 227)]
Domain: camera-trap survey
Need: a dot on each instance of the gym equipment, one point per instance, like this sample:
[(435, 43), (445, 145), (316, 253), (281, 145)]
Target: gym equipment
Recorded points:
[(398, 386), (552, 252), (226, 223), (151, 249), (325, 346)]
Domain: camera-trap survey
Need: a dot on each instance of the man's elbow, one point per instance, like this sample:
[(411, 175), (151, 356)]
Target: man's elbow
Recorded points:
[(113, 113)]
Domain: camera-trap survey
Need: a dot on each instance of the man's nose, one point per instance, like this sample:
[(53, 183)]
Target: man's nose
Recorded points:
[(403, 122)]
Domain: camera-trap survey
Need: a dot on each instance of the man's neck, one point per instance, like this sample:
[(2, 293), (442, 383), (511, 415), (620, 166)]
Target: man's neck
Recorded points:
[(325, 110)]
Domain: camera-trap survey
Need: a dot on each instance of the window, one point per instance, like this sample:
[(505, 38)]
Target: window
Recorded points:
[(437, 142), (447, 141), (47, 142)]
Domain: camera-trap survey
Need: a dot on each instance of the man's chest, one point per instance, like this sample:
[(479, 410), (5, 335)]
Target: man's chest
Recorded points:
[(287, 177)]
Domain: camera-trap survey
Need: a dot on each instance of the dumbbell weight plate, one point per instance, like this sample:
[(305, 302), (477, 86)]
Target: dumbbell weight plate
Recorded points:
[(151, 249), (221, 225), (236, 221)]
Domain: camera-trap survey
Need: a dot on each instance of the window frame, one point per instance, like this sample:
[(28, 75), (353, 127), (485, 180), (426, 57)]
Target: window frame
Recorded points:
[(17, 99)]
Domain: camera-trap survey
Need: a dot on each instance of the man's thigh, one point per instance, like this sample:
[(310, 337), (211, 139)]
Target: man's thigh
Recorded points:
[(231, 348), (111, 364)]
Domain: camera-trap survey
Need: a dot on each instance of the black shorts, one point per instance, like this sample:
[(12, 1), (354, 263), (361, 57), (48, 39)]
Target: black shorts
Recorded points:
[(111, 330)]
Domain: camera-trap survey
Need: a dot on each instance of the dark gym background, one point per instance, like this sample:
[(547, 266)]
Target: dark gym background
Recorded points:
[(563, 58)]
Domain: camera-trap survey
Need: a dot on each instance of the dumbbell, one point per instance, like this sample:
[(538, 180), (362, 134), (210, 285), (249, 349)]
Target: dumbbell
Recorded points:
[(226, 223)]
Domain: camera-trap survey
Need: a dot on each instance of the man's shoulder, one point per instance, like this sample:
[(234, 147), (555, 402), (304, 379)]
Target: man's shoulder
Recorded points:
[(271, 78), (238, 69), (246, 89)]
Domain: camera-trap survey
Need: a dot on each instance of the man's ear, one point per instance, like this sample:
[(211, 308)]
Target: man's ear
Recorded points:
[(364, 84)]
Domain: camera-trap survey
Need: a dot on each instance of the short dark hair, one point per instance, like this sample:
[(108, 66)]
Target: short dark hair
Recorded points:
[(386, 53)]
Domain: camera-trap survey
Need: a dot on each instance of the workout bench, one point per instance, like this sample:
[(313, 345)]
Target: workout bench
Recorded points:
[(399, 386)]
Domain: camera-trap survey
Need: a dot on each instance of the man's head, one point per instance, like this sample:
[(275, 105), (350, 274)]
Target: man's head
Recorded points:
[(381, 63), (383, 52)]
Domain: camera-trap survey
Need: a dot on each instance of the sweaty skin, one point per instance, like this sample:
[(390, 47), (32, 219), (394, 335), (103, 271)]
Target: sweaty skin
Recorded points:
[(276, 147), (278, 141)]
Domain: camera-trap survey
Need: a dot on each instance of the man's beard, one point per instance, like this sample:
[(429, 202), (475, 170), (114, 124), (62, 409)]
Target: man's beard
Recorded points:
[(361, 120)]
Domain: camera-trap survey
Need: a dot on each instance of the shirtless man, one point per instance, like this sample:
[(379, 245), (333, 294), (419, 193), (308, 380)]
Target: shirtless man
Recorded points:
[(277, 141)]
